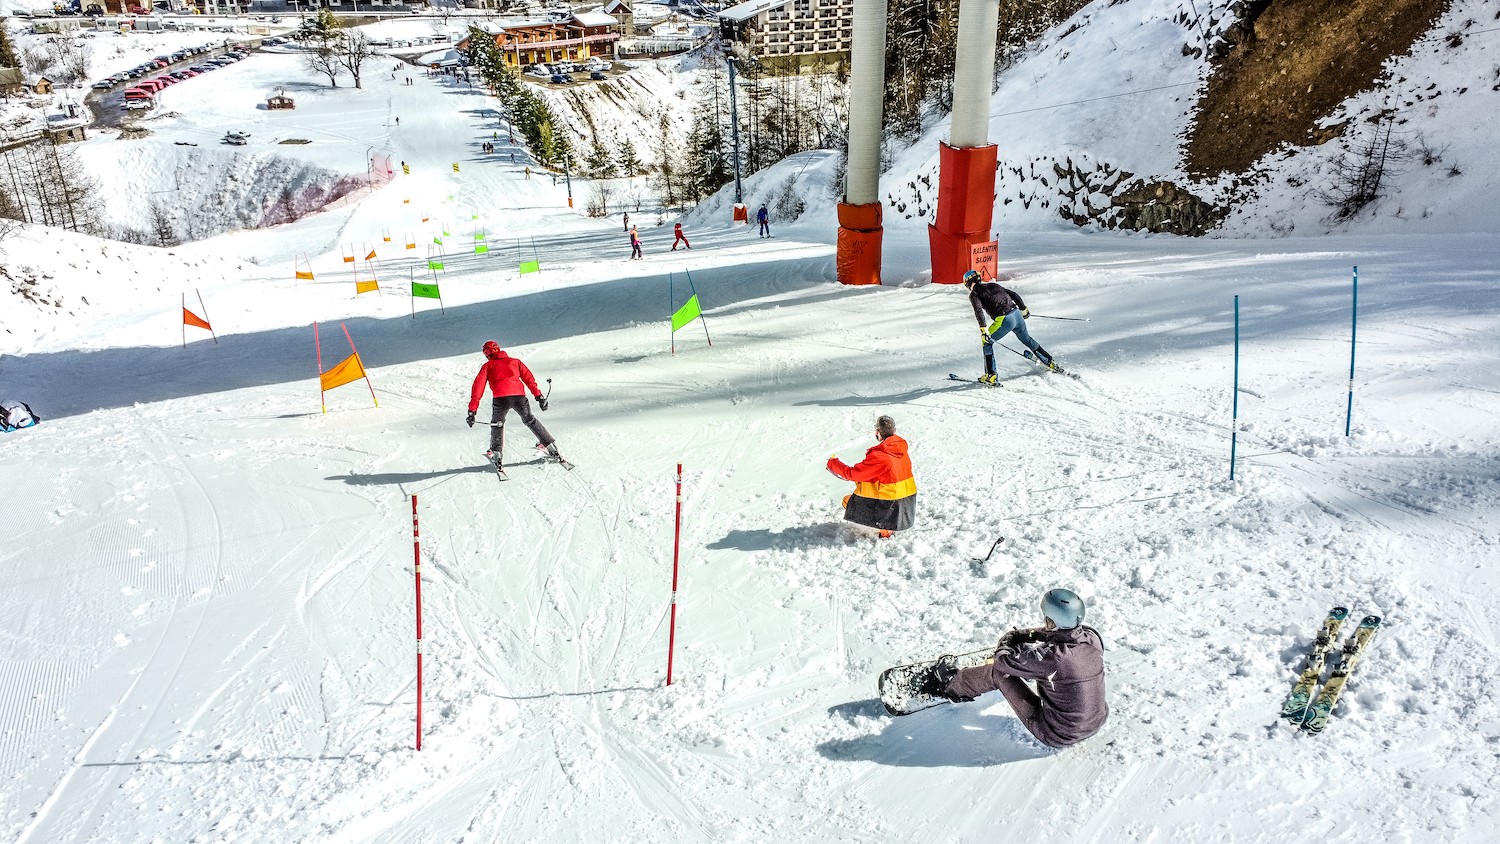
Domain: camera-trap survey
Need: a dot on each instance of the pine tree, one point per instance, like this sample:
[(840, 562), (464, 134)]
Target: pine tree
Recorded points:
[(601, 165), (7, 50), (630, 161)]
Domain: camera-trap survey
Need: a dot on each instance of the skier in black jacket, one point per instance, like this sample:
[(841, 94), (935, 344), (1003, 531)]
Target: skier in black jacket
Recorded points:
[(1009, 313)]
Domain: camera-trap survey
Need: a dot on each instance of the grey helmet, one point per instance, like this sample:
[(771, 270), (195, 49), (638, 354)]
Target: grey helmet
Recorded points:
[(1064, 607)]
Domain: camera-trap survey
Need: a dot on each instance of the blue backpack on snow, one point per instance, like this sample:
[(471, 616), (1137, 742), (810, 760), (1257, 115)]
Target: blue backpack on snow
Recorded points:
[(15, 415)]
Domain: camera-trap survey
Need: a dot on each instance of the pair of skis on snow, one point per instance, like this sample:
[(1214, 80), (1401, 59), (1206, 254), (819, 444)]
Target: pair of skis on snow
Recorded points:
[(500, 469), (1309, 708), (1049, 367)]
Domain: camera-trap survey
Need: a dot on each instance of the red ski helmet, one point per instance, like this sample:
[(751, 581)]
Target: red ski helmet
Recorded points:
[(490, 348)]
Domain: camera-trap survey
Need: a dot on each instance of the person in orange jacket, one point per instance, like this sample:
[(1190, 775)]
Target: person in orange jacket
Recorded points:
[(885, 492)]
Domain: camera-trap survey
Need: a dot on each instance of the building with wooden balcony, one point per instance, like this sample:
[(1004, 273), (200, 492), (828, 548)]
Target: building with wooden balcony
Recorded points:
[(790, 33), (540, 40)]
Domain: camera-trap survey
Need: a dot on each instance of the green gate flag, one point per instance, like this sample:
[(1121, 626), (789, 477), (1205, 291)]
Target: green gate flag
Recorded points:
[(425, 291), (434, 265), (480, 249), (531, 267), (687, 313)]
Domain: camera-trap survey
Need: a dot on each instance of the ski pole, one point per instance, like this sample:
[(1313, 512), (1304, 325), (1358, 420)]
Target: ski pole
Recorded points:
[(1068, 318), (549, 390), (992, 552)]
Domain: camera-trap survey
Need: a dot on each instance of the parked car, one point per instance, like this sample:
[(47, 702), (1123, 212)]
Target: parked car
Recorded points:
[(538, 71), (597, 74), (103, 85), (238, 139), (561, 78)]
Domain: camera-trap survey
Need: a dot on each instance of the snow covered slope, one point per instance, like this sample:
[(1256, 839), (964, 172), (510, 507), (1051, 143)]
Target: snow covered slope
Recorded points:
[(208, 631)]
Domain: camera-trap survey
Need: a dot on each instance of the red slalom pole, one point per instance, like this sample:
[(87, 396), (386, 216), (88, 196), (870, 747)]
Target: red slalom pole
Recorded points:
[(676, 552), (416, 549)]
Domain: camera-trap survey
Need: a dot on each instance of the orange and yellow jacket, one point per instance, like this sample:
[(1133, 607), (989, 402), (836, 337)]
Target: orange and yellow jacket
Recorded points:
[(885, 492)]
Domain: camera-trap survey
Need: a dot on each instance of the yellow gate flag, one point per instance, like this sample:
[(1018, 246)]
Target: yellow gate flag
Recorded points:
[(348, 370), (366, 286), (687, 313)]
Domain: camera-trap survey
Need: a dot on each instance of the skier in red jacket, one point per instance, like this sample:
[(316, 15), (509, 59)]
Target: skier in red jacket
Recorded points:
[(508, 380), (885, 493)]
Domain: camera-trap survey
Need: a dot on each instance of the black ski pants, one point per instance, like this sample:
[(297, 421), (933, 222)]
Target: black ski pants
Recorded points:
[(505, 404)]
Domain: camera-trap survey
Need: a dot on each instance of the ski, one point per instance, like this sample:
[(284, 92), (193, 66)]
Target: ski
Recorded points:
[(952, 377), (558, 458), (494, 459), (1294, 709), (1321, 710), (1050, 367)]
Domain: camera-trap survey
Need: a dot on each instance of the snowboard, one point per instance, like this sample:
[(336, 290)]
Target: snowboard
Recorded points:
[(898, 685)]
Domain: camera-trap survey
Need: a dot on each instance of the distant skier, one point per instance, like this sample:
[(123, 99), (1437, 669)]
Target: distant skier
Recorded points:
[(625, 222), (764, 218), (508, 380), (885, 493), (1009, 313), (635, 244), (679, 237), (1064, 658), (528, 173)]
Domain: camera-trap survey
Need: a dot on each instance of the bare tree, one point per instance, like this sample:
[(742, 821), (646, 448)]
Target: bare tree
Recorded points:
[(354, 50), (600, 192), (1359, 174), (163, 232), (70, 59), (323, 59)]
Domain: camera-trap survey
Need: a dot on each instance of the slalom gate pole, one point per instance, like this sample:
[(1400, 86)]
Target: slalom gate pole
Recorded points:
[(416, 548), (1234, 417), (1353, 329), (204, 308), (361, 364), (322, 394), (671, 309), (184, 322), (1068, 318), (676, 548), (701, 319)]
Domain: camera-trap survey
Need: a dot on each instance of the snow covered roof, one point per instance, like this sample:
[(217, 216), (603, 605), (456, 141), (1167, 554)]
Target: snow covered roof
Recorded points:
[(594, 19), (747, 10), (443, 58)]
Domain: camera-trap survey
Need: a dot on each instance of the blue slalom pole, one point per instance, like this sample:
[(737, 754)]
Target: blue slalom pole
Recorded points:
[(1234, 419), (1353, 328)]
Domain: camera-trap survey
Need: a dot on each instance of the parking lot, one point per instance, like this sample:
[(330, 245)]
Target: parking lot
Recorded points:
[(118, 97)]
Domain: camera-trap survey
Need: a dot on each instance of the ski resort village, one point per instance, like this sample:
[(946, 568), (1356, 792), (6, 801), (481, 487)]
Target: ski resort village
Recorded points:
[(769, 421)]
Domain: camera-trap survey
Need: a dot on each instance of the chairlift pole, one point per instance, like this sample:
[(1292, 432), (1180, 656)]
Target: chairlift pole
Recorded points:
[(734, 131)]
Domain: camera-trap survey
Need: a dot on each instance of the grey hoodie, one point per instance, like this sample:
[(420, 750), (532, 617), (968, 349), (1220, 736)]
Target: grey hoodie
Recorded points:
[(1068, 668)]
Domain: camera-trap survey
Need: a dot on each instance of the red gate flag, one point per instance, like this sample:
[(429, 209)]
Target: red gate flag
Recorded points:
[(190, 318)]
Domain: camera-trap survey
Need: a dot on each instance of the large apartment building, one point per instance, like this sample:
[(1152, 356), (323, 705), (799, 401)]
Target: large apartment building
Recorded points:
[(790, 32)]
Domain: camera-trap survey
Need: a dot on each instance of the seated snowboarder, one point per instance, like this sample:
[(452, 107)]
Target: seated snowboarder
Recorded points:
[(885, 493), (1065, 659)]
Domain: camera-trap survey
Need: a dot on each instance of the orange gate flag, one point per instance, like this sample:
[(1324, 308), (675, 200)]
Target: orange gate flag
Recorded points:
[(190, 318), (350, 369)]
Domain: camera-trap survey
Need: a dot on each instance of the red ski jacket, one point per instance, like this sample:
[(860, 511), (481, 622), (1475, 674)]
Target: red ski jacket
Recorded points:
[(505, 376)]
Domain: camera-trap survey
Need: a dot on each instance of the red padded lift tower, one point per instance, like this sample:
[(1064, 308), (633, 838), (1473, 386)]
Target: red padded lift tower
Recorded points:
[(860, 227), (960, 237)]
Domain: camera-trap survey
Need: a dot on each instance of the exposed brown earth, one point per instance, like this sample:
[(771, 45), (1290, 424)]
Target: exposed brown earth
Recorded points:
[(1289, 63)]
